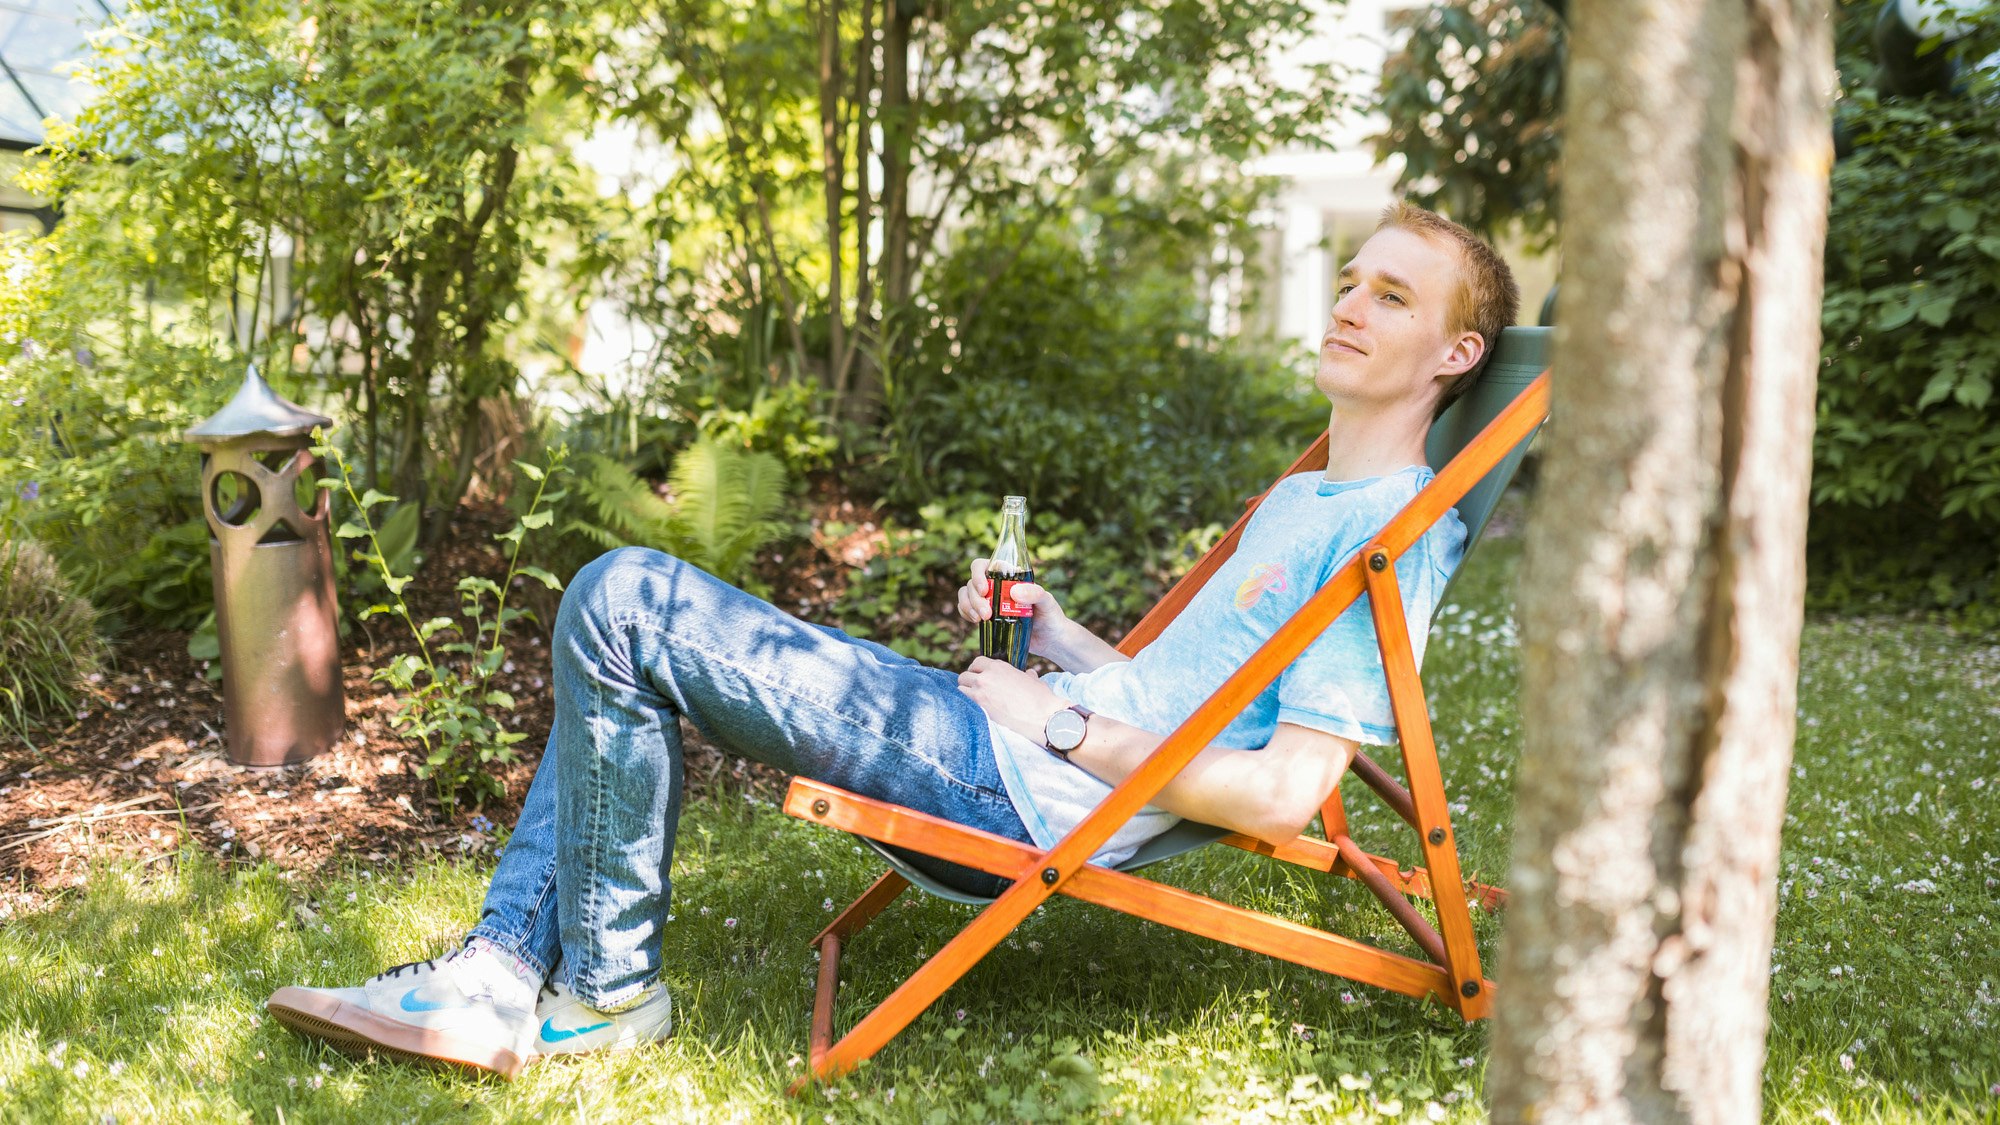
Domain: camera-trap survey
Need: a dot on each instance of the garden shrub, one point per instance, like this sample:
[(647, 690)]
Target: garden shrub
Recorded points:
[(48, 638), (904, 597), (1091, 386), (396, 194), (93, 409), (727, 504), (1906, 490), (784, 420)]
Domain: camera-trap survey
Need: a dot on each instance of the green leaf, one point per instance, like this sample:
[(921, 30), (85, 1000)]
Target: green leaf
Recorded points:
[(1895, 315), (396, 584), (431, 628), (474, 584), (1938, 389), (538, 519), (532, 472), (1976, 391), (499, 699), (204, 643), (398, 537), (351, 530), (371, 498), (542, 576), (1937, 310)]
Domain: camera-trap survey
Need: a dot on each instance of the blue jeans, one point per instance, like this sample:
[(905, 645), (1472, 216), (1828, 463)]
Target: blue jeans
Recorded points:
[(643, 640)]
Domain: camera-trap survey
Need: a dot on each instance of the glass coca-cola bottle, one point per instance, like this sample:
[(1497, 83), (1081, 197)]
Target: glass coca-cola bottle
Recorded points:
[(1004, 635)]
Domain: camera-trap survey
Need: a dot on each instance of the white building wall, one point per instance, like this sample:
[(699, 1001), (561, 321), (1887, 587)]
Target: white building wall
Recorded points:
[(1332, 195)]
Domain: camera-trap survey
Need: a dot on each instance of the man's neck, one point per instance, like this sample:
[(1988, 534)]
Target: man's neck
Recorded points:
[(1374, 443)]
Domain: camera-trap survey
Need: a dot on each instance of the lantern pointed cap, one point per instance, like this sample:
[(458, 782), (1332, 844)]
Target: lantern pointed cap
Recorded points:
[(257, 409)]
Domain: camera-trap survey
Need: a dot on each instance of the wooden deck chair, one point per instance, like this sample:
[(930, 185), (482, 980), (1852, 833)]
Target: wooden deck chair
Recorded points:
[(1480, 440)]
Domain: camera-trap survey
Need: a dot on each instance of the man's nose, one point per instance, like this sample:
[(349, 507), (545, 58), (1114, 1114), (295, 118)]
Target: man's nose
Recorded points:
[(1347, 309)]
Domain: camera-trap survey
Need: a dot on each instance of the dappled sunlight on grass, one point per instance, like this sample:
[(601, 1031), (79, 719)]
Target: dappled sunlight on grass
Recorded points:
[(142, 997)]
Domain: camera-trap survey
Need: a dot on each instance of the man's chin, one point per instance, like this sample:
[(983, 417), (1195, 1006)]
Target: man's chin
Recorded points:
[(1336, 375)]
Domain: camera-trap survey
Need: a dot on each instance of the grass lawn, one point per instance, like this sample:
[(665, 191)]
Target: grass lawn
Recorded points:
[(140, 998)]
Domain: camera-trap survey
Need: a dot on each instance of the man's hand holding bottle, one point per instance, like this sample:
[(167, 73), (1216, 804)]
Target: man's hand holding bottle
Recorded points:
[(975, 605)]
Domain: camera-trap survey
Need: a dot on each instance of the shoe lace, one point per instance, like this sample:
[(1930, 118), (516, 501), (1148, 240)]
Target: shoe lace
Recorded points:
[(397, 970)]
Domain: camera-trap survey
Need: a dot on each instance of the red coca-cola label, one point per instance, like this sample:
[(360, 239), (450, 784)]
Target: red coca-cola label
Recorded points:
[(1006, 606)]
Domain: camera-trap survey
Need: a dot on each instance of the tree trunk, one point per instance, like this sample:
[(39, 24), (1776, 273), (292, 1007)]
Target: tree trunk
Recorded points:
[(896, 141), (833, 166), (864, 206), (1664, 577), (861, 396)]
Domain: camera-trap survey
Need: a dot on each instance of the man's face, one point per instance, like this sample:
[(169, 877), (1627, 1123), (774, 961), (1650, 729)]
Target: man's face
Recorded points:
[(1388, 337)]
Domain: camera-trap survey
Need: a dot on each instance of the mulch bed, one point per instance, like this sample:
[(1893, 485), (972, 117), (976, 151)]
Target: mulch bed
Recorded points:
[(142, 771)]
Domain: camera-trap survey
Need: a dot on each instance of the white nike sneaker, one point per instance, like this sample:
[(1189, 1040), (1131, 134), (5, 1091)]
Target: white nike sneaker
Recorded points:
[(467, 1008), (569, 1026)]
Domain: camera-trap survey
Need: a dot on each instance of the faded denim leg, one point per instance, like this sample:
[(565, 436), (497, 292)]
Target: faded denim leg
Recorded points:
[(519, 914), (643, 639)]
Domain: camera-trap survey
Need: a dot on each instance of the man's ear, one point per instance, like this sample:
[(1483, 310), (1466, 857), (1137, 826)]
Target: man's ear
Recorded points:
[(1464, 355)]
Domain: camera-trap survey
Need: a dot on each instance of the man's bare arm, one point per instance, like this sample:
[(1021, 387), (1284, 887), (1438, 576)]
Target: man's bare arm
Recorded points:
[(1271, 794)]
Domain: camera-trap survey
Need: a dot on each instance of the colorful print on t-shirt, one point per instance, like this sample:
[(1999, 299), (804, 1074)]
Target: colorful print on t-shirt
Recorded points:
[(1265, 578)]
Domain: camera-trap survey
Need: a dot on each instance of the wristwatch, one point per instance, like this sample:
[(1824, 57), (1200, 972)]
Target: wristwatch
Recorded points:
[(1065, 731)]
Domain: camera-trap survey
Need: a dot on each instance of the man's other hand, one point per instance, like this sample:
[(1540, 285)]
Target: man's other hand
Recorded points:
[(1013, 698), (975, 604)]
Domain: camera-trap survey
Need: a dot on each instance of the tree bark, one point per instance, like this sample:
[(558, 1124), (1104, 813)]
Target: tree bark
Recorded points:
[(1664, 578), (833, 166), (897, 138), (864, 204)]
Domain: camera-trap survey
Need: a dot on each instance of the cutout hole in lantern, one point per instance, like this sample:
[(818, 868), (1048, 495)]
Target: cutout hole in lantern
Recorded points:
[(307, 492), (235, 499), (281, 531)]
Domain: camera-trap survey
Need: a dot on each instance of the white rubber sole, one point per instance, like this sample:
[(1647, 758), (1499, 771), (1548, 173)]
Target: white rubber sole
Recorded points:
[(352, 1027)]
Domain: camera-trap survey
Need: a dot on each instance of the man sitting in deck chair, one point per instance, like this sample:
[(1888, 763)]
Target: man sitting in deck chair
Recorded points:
[(567, 953)]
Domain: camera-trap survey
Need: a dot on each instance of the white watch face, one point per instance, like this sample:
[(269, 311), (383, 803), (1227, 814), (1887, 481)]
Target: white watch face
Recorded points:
[(1065, 730)]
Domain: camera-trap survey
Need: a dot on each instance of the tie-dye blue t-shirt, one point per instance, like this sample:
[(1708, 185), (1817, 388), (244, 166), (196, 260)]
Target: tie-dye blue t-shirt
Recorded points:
[(1305, 530)]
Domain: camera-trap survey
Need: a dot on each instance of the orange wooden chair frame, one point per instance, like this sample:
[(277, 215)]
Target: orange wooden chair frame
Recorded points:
[(1452, 974)]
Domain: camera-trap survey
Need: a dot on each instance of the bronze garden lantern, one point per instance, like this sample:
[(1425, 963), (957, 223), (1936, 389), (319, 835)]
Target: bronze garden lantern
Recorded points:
[(273, 565)]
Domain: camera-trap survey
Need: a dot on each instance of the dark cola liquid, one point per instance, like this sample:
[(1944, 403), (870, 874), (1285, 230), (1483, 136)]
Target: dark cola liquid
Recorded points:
[(1004, 636)]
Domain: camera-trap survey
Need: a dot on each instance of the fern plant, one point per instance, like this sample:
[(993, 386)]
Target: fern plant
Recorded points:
[(48, 639), (623, 510), (726, 507)]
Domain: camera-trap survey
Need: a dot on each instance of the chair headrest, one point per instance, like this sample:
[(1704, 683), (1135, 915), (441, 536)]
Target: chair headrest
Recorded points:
[(1519, 356)]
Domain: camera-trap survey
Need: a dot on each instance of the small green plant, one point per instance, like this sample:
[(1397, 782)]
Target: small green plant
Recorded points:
[(48, 639), (783, 419), (619, 508), (167, 582), (451, 707), (725, 508)]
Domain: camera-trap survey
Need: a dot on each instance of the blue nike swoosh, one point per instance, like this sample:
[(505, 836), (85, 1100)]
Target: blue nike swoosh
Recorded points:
[(412, 1004), (551, 1035)]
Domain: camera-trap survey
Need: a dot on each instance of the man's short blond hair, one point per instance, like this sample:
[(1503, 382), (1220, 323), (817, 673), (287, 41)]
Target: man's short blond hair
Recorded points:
[(1488, 298)]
